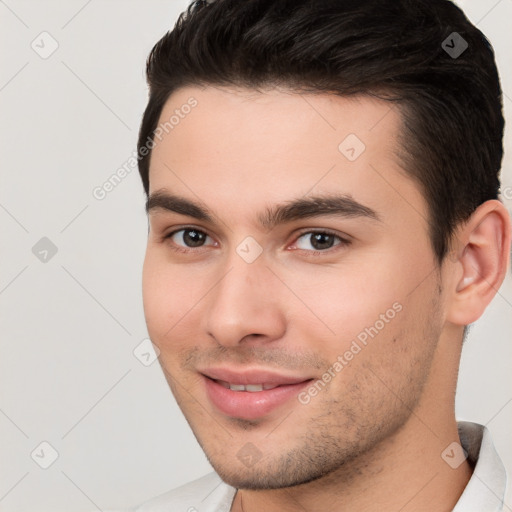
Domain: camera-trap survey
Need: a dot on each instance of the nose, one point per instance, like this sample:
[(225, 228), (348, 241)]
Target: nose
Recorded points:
[(245, 306)]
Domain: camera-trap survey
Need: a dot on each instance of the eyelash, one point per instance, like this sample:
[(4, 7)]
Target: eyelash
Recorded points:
[(343, 242)]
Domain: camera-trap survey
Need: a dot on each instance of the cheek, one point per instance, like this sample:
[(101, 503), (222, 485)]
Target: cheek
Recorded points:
[(365, 312), (340, 303), (170, 295)]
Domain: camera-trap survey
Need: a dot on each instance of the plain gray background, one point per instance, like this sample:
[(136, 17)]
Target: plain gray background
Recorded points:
[(70, 321)]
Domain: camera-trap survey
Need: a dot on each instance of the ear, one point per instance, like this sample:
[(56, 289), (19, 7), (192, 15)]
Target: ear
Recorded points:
[(482, 247)]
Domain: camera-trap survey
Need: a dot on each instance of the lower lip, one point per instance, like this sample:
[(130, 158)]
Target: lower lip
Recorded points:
[(250, 405)]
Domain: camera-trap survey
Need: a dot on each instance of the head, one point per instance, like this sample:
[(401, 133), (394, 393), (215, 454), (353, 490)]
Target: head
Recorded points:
[(322, 182)]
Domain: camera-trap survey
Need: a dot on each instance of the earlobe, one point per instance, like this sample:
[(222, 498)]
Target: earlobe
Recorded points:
[(483, 260)]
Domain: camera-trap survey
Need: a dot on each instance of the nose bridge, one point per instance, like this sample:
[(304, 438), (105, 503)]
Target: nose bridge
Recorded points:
[(242, 303), (240, 291)]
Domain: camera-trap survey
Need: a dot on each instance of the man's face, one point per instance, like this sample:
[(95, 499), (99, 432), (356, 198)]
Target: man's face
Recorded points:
[(336, 300)]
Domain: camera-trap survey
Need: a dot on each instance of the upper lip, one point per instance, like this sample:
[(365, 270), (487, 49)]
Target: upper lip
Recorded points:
[(251, 376)]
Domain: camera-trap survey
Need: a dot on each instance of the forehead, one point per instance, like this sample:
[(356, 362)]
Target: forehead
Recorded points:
[(273, 145)]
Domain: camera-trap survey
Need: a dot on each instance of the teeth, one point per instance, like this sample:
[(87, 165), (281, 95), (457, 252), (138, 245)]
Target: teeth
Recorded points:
[(237, 387), (252, 388)]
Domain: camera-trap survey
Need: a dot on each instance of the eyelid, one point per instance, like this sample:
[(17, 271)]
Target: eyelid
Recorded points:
[(185, 227)]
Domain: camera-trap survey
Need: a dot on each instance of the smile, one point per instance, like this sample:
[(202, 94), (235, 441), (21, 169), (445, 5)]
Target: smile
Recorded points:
[(250, 394)]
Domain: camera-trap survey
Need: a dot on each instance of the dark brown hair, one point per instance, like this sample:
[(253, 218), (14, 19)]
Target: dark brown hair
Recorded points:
[(404, 51)]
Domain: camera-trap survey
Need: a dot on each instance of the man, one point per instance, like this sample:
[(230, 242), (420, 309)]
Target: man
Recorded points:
[(322, 182)]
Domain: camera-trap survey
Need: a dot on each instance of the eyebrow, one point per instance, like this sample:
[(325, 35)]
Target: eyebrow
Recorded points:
[(302, 208), (162, 201)]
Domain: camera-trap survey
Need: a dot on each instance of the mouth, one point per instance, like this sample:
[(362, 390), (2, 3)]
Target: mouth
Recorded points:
[(251, 394)]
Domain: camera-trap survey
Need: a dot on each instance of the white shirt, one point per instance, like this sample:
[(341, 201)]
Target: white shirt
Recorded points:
[(484, 492)]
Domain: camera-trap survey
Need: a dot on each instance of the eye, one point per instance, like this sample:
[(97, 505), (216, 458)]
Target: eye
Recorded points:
[(318, 241), (188, 237)]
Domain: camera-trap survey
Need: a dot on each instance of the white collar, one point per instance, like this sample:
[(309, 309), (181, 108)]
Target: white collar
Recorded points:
[(485, 490)]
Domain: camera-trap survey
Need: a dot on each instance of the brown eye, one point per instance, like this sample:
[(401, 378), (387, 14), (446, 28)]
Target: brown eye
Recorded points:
[(319, 241), (189, 237)]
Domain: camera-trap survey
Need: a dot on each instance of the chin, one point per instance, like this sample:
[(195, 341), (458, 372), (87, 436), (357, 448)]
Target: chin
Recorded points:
[(265, 475)]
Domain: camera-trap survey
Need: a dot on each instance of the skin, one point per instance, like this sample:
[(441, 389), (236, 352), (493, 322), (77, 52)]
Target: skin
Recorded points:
[(372, 438)]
